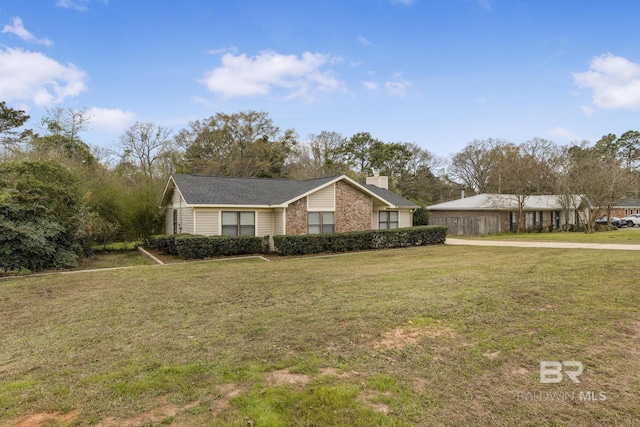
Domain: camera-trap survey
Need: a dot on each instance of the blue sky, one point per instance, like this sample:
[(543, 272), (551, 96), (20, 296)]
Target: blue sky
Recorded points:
[(438, 73)]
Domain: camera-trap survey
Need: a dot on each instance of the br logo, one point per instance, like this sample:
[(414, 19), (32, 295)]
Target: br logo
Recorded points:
[(551, 371)]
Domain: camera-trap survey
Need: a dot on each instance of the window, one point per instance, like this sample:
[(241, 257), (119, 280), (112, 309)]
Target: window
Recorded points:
[(175, 221), (388, 220), (320, 222), (528, 220), (238, 224)]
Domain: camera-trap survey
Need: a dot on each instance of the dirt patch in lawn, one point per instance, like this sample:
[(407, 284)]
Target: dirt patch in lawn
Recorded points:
[(45, 418), (227, 392), (284, 377), (156, 415), (398, 338)]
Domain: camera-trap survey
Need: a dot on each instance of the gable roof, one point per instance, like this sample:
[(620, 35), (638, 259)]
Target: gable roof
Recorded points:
[(239, 191), (628, 203), (502, 202), (388, 195)]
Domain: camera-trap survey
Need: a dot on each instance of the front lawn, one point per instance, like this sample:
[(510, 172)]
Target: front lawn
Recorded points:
[(129, 258), (444, 335), (623, 236)]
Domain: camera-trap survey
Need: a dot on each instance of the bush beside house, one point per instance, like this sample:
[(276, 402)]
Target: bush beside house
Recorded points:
[(199, 247)]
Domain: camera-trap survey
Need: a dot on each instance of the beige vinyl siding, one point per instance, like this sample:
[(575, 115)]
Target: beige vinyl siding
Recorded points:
[(278, 221), (375, 218), (185, 215), (264, 223), (207, 222), (169, 220), (322, 200), (176, 199), (404, 218)]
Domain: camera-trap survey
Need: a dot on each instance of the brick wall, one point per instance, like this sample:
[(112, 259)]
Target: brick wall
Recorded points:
[(297, 217), (353, 209), (620, 212)]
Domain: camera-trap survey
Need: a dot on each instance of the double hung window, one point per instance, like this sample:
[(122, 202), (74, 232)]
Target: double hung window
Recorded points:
[(238, 223), (388, 220), (320, 222)]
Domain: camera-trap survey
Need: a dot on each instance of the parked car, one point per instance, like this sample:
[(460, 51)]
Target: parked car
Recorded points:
[(615, 221), (631, 220)]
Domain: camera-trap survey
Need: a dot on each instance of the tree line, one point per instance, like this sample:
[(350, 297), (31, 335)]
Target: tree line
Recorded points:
[(59, 194)]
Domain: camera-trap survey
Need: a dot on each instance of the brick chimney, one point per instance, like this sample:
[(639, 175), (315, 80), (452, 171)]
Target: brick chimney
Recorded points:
[(378, 181)]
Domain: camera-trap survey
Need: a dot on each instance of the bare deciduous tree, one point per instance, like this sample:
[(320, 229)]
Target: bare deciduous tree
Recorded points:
[(67, 122), (598, 177), (144, 146), (318, 156), (475, 166)]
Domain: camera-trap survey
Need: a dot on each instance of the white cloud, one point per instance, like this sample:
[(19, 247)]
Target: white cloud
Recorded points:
[(245, 76), (34, 77), (362, 40), (615, 82), (397, 88), (370, 85), (81, 5), (222, 50), (565, 133), (18, 29), (110, 119)]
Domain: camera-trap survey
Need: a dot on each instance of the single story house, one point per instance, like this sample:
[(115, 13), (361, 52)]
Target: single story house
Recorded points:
[(494, 213), (234, 206), (626, 207)]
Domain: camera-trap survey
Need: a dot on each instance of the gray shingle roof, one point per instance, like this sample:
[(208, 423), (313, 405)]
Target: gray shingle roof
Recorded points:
[(628, 203), (219, 190), (390, 196)]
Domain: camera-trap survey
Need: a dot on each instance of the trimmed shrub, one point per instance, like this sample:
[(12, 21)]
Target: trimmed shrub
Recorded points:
[(199, 247), (359, 240), (188, 246), (165, 243), (605, 227)]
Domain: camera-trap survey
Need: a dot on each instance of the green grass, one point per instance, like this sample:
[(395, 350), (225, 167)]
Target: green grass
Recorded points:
[(114, 259), (622, 236), (447, 335), (114, 246)]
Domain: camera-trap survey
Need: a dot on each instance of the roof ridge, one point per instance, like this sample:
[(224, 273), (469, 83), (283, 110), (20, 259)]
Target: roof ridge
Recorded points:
[(255, 177)]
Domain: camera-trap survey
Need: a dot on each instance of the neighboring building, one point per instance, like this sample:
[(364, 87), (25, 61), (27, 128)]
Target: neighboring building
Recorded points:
[(494, 213), (233, 206), (626, 207)]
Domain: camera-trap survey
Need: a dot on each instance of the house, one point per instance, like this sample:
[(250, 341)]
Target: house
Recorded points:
[(234, 206), (625, 208), (494, 213)]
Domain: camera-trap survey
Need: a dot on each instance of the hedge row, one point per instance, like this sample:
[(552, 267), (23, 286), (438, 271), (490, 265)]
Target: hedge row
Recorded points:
[(359, 240), (188, 246)]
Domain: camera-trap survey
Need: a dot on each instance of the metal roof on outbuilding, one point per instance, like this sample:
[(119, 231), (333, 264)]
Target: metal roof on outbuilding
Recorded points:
[(493, 202)]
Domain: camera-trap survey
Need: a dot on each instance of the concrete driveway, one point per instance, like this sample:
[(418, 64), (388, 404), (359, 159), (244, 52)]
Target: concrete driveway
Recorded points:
[(559, 245)]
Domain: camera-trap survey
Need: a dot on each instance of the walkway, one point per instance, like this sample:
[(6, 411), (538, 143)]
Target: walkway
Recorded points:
[(560, 245)]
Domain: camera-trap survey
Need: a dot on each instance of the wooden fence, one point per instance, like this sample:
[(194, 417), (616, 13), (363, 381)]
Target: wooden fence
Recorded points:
[(469, 226)]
